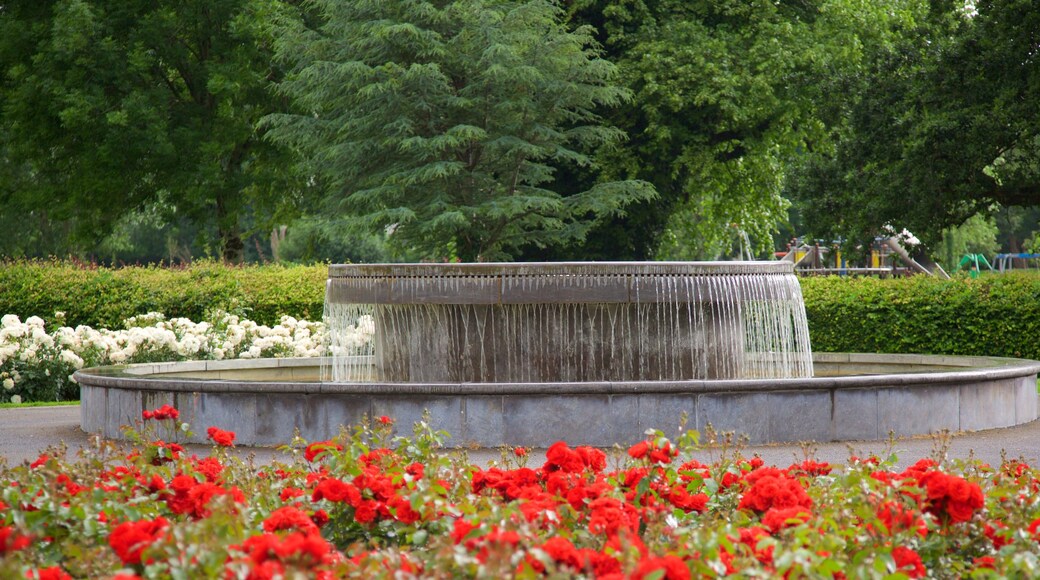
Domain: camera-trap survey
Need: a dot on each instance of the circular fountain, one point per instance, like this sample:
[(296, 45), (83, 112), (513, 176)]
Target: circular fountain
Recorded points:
[(590, 353), (567, 322)]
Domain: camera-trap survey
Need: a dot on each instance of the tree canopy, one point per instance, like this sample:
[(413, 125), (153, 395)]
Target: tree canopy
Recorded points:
[(510, 129), (943, 125), (113, 106), (444, 124)]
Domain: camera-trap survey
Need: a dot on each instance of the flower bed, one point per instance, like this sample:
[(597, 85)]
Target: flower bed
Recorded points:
[(36, 365), (368, 504)]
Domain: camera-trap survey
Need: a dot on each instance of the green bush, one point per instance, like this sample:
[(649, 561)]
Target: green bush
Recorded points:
[(997, 315), (103, 297)]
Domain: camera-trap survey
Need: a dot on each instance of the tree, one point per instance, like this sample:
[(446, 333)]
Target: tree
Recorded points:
[(445, 123), (116, 106), (944, 125), (728, 94)]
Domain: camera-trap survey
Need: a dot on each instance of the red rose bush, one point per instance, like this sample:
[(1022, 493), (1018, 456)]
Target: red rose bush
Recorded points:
[(372, 504)]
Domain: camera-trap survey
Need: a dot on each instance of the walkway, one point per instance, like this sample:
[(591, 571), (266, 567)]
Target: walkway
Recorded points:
[(26, 431)]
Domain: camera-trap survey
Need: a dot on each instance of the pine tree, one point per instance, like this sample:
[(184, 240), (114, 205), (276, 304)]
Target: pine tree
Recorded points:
[(443, 122)]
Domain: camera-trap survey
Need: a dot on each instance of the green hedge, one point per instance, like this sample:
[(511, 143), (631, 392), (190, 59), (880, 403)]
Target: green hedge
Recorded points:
[(104, 297), (996, 315)]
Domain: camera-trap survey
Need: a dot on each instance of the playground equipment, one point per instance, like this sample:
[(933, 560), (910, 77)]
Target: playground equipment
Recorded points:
[(885, 255), (1006, 262), (975, 263)]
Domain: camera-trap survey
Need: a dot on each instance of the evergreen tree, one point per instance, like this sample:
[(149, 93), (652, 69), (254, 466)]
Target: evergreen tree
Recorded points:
[(444, 123)]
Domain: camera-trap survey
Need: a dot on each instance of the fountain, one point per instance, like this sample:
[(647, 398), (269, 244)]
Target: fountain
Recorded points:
[(591, 353), (567, 322)]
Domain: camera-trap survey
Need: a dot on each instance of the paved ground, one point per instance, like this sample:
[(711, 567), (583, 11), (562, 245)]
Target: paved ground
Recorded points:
[(25, 432)]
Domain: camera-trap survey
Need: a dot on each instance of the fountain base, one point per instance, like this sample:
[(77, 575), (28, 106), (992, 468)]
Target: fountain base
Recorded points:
[(851, 397)]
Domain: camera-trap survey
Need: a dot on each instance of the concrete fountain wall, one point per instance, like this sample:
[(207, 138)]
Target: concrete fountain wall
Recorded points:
[(851, 396)]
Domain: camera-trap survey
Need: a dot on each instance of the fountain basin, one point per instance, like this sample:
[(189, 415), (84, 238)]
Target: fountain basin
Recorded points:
[(850, 397)]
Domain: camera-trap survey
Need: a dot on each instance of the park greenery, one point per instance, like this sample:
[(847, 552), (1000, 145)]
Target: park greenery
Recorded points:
[(267, 130)]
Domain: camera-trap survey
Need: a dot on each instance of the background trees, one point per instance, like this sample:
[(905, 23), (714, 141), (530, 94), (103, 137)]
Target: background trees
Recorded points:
[(444, 125), (493, 128), (943, 124), (112, 107)]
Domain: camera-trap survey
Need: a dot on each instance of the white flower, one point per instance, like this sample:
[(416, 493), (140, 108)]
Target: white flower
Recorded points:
[(16, 399), (71, 358), (8, 384)]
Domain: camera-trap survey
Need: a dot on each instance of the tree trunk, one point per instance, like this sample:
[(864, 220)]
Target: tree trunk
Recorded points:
[(232, 248)]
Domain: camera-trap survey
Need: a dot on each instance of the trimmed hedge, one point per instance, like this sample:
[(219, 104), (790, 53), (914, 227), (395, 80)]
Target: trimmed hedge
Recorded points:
[(995, 315), (103, 297)]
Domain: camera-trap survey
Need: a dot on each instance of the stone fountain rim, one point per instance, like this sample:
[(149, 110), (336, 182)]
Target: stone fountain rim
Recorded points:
[(148, 376), (404, 270)]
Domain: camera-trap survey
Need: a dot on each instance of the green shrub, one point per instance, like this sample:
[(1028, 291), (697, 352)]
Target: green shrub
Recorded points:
[(996, 315), (103, 297)]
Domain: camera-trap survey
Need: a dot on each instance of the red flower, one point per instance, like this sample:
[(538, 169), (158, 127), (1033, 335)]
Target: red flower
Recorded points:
[(563, 552), (658, 450), (988, 562), (268, 552), (290, 518), (164, 412), (129, 539), (772, 491), (11, 541), (386, 420), (674, 568), (897, 518), (951, 495), (41, 460), (221, 437), (996, 533), (211, 468), (52, 573), (520, 451), (639, 450), (336, 491), (318, 448), (164, 452), (193, 498), (908, 562), (777, 519), (560, 457), (461, 530), (684, 500), (320, 518), (402, 510)]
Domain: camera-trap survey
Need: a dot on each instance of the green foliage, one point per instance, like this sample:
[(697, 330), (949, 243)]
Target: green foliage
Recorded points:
[(939, 126), (112, 106), (444, 124), (978, 235), (727, 95), (104, 297), (995, 315)]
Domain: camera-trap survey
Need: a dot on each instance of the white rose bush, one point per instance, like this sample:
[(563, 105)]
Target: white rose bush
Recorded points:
[(37, 365)]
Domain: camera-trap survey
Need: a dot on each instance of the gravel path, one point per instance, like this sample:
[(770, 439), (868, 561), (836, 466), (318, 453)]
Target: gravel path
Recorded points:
[(26, 431)]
